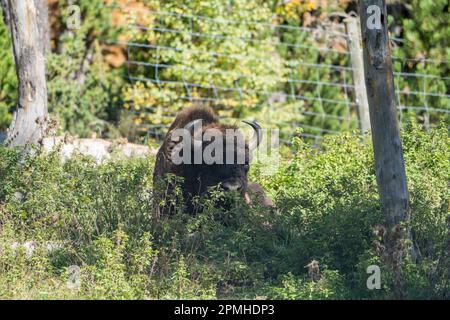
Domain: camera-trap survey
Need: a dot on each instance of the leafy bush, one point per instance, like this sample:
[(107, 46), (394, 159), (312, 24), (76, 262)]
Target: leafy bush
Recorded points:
[(330, 286), (8, 78), (193, 37), (83, 89), (427, 44), (225, 56), (87, 91), (327, 208)]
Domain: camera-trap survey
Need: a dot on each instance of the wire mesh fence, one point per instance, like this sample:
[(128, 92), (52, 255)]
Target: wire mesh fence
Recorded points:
[(422, 96), (295, 78)]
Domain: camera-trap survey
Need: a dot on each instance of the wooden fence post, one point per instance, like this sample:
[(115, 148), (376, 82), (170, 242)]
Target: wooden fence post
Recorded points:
[(28, 125), (357, 62), (389, 163)]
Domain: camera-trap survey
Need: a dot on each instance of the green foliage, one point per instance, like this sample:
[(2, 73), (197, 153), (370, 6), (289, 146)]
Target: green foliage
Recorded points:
[(86, 94), (426, 39), (83, 90), (90, 201), (327, 207), (193, 38), (8, 78), (236, 65), (330, 200), (319, 90), (118, 270), (330, 286), (424, 35)]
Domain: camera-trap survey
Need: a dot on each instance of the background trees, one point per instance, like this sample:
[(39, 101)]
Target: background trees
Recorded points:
[(89, 91)]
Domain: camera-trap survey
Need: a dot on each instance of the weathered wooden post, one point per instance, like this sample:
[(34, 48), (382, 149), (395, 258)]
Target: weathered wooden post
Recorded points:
[(389, 163), (357, 61), (28, 125)]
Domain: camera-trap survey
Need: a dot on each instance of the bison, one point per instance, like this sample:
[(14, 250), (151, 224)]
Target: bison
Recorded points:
[(183, 153)]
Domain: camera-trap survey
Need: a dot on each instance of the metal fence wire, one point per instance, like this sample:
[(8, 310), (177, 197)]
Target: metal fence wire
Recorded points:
[(295, 78)]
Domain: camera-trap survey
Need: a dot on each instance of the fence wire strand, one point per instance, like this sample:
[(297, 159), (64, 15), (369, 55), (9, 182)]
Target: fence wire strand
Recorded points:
[(329, 99)]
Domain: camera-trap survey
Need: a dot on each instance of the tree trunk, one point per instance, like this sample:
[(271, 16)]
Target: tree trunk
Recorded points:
[(389, 163), (28, 125), (43, 25)]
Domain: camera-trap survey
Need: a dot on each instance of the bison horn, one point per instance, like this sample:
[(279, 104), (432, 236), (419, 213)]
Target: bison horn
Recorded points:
[(257, 137)]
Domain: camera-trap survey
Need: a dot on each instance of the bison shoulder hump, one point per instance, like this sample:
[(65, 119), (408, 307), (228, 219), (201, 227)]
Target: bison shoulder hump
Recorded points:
[(193, 113)]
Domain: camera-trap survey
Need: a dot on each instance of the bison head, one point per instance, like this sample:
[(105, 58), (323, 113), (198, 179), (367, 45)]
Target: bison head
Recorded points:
[(212, 155)]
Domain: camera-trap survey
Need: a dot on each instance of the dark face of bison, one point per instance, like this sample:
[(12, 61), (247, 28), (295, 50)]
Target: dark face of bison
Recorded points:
[(229, 176), (214, 155)]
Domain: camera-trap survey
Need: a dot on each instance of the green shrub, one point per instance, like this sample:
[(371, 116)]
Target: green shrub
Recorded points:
[(8, 78), (330, 286), (326, 210), (426, 41), (83, 90), (253, 65), (193, 37), (87, 95)]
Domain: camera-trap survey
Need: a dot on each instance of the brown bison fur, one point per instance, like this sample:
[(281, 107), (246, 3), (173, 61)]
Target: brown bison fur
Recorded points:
[(198, 178)]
